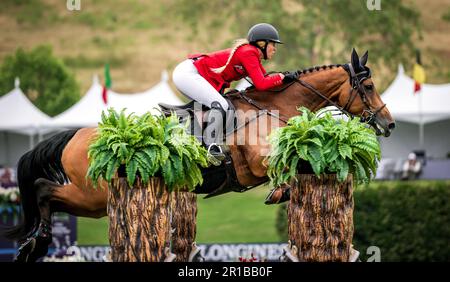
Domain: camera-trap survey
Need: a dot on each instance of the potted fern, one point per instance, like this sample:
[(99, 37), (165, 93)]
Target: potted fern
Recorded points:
[(143, 159), (321, 158)]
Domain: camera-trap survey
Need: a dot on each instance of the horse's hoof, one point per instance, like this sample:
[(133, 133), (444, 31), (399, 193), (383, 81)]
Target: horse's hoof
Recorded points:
[(290, 254), (33, 248), (170, 257), (195, 255), (278, 195), (274, 196), (25, 250), (40, 249), (354, 255)]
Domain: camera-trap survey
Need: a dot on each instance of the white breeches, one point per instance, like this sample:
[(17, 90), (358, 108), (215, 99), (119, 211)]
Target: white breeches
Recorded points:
[(190, 83)]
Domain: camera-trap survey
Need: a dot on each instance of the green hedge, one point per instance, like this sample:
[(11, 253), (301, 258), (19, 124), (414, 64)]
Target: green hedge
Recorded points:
[(408, 221)]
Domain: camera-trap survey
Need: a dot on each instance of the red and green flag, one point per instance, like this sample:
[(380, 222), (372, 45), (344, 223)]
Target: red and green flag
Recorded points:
[(107, 85), (418, 73)]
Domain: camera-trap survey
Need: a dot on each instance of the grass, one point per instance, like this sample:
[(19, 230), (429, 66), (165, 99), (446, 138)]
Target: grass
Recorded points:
[(230, 218), (92, 231), (234, 217)]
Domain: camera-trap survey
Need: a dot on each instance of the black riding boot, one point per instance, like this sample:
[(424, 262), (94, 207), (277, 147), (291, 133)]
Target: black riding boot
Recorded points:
[(218, 115)]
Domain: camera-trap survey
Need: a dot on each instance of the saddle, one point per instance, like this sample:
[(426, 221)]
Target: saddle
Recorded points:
[(198, 115)]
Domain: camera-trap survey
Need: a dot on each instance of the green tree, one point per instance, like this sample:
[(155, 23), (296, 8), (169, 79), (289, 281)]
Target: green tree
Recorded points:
[(43, 78), (315, 32)]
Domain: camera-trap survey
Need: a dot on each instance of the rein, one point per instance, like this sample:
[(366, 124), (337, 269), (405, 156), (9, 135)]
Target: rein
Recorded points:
[(357, 87)]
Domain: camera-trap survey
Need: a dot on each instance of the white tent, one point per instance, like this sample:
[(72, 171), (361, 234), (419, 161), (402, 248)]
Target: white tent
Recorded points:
[(404, 107), (87, 112), (20, 122), (140, 103), (18, 114)]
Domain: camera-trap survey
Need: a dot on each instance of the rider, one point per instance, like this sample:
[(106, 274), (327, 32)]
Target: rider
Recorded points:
[(204, 77)]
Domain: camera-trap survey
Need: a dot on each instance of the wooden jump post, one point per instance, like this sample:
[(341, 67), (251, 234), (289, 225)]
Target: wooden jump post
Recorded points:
[(139, 221), (320, 218)]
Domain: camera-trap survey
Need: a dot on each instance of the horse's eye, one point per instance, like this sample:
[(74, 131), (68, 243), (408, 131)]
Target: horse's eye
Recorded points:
[(368, 87)]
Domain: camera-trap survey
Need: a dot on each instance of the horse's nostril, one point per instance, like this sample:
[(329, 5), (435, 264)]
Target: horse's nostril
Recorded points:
[(391, 125)]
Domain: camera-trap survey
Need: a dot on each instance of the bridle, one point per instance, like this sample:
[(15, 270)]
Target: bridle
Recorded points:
[(356, 80), (357, 88)]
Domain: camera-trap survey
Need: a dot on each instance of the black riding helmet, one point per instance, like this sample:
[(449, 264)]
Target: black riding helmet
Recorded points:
[(263, 32)]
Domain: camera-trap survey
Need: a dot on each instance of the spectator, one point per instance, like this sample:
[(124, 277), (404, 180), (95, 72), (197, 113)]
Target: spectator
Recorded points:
[(411, 168), (6, 178)]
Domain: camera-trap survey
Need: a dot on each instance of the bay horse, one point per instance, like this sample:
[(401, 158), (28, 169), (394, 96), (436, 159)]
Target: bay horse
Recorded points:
[(52, 176)]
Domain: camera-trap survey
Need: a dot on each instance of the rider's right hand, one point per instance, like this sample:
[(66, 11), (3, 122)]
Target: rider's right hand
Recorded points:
[(289, 76)]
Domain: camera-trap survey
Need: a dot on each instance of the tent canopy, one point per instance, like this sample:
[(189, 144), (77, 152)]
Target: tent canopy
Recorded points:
[(404, 105), (87, 112), (18, 114)]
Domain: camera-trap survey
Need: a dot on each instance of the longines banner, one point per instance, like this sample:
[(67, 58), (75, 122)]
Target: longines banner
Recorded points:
[(232, 252), (211, 252)]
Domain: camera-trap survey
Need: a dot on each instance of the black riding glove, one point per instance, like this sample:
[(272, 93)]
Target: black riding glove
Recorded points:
[(290, 76)]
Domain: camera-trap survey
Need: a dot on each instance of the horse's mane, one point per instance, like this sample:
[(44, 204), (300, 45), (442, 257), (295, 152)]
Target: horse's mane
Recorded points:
[(300, 73), (317, 68)]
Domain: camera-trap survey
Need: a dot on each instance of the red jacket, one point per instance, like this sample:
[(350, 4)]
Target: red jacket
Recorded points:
[(245, 62)]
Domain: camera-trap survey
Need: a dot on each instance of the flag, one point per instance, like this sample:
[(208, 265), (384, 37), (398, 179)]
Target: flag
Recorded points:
[(107, 85), (418, 73)]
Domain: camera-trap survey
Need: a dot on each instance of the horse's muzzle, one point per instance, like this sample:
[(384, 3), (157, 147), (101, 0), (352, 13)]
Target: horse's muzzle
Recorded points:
[(382, 129)]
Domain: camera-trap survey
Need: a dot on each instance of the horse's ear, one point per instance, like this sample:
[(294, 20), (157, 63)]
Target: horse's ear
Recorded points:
[(355, 59), (363, 59)]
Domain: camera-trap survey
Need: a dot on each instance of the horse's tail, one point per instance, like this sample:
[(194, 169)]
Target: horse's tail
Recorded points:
[(44, 161)]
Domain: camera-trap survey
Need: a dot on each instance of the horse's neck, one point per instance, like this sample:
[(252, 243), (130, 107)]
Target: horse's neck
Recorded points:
[(328, 82), (250, 159)]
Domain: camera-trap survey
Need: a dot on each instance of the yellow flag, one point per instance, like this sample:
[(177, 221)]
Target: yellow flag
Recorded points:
[(419, 74)]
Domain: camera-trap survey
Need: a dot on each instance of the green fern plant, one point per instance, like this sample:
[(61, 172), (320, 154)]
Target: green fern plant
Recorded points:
[(147, 145), (326, 145)]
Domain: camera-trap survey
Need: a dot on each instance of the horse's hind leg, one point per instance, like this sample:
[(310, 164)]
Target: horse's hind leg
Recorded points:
[(52, 197), (36, 245)]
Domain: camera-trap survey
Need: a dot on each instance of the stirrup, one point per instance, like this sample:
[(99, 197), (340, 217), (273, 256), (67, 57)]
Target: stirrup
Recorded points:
[(214, 156)]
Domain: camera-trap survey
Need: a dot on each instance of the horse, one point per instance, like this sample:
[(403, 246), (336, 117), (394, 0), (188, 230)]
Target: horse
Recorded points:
[(52, 176)]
